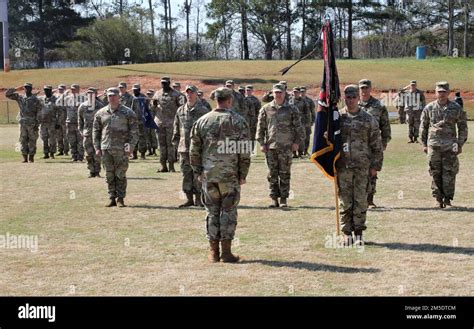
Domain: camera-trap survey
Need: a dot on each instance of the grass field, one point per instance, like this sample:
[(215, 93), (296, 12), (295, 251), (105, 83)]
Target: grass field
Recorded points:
[(386, 74), (154, 248)]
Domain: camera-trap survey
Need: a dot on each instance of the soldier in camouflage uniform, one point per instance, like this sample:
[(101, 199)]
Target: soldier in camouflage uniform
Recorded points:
[(279, 133), (414, 105), (203, 100), (312, 110), (71, 102), (138, 106), (49, 122), (167, 101), (305, 117), (177, 86), (238, 103), (400, 105), (150, 133), (438, 135), (86, 114), (268, 96), (128, 100), (221, 170), (379, 111), (30, 112), (361, 156), (61, 132), (186, 116), (254, 107), (115, 133)]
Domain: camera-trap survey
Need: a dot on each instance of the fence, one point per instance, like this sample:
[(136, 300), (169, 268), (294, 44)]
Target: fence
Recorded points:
[(8, 111)]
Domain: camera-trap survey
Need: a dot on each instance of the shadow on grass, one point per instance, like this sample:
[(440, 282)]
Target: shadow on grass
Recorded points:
[(424, 247), (144, 178), (290, 208), (146, 206), (315, 267), (450, 209)]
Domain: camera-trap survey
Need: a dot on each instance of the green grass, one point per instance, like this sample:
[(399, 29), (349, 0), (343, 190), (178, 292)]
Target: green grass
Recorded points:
[(154, 248)]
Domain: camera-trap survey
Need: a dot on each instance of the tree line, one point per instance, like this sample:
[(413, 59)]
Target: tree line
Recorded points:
[(44, 31)]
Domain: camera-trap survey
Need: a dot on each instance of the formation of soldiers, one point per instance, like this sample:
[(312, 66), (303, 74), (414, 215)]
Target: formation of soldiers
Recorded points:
[(112, 128)]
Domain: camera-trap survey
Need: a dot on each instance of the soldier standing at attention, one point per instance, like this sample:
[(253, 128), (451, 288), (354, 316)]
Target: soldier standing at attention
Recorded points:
[(254, 105), (440, 141), (238, 103), (312, 110), (61, 133), (114, 134), (138, 106), (150, 133), (221, 171), (400, 106), (186, 116), (279, 133), (86, 115), (414, 105), (203, 100), (49, 122), (360, 158), (376, 109), (30, 112), (305, 117), (167, 100)]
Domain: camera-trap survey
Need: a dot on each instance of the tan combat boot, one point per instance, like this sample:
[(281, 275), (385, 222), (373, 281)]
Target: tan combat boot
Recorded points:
[(171, 166), (189, 202), (31, 158), (348, 240), (25, 158), (274, 203), (120, 202), (198, 202), (213, 255), (283, 203), (358, 237), (370, 201), (227, 256), (112, 203), (164, 167)]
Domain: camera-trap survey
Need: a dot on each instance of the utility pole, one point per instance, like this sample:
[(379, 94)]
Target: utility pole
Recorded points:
[(4, 25)]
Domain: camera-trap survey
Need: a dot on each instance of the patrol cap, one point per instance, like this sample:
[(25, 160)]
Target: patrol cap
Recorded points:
[(200, 93), (176, 84), (365, 83), (241, 88), (113, 91), (413, 82), (165, 79), (122, 84), (351, 90), (75, 86), (229, 83), (193, 88), (61, 86), (283, 82), (279, 87), (28, 84), (249, 87), (302, 88), (296, 89), (91, 90), (442, 86), (150, 92), (48, 87), (223, 92), (136, 86)]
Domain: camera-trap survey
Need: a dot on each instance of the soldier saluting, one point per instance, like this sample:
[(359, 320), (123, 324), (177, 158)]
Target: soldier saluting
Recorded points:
[(115, 134)]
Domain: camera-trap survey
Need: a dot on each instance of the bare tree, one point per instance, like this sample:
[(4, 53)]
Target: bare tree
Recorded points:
[(466, 28), (450, 27), (187, 10)]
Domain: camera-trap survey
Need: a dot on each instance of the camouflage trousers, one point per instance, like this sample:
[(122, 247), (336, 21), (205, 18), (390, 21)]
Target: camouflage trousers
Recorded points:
[(150, 137), (190, 179), (253, 130), (414, 121), (307, 138), (353, 185), (402, 115), (279, 166), (167, 149), (444, 165), (61, 137), (75, 141), (372, 185), (115, 164), (220, 201), (141, 144), (48, 135), (93, 162), (28, 138)]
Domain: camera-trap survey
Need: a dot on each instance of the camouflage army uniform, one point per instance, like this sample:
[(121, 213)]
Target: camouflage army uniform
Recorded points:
[(111, 131), (268, 97), (167, 105), (205, 103), (71, 103), (312, 110), (221, 171), (278, 128), (49, 121), (414, 105), (379, 112), (150, 133), (86, 115), (400, 106), (61, 133), (186, 116), (132, 103), (305, 117), (361, 150), (438, 133), (30, 112), (254, 106)]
